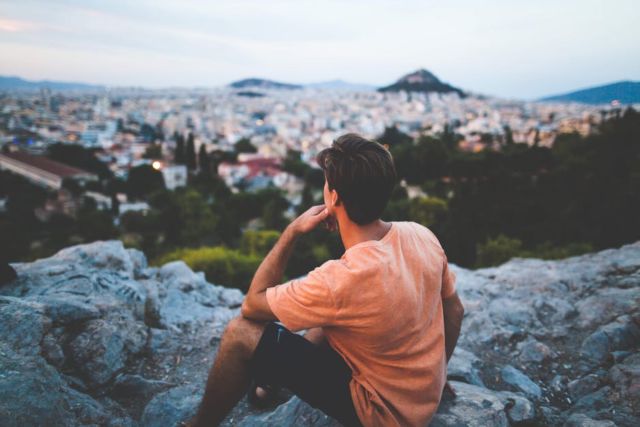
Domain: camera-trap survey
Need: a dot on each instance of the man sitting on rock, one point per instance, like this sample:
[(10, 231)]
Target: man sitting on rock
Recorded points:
[(382, 321)]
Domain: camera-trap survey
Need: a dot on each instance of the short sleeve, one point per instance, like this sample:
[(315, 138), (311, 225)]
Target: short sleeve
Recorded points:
[(448, 280), (303, 303)]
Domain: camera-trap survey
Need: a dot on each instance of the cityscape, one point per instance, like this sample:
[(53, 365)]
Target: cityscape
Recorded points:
[(121, 126), (173, 252)]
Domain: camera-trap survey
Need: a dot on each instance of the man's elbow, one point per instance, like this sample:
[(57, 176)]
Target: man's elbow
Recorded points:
[(245, 309), (454, 310)]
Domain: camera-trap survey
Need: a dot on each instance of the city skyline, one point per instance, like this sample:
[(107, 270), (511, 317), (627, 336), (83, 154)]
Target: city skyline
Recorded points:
[(500, 49)]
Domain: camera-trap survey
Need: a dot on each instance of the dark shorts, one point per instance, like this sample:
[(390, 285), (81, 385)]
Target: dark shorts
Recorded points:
[(315, 373)]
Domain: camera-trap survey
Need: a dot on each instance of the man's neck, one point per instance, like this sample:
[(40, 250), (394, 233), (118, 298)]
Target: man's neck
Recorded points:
[(352, 233)]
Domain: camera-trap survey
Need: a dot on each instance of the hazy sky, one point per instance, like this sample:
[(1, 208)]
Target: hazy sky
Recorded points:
[(515, 48)]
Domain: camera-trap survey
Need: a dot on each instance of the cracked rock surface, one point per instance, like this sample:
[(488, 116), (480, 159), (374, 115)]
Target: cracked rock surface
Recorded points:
[(94, 336)]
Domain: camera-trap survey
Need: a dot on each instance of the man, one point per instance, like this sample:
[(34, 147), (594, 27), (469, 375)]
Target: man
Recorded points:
[(382, 321)]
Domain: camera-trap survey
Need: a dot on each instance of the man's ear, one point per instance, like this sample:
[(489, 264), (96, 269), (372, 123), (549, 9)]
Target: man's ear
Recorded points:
[(335, 198)]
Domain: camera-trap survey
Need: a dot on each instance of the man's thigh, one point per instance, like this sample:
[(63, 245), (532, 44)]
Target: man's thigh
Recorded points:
[(315, 373)]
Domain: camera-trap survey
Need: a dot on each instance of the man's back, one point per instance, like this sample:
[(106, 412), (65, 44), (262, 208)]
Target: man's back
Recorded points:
[(380, 306)]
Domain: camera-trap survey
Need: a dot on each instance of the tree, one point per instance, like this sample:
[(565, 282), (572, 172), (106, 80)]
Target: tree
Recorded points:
[(190, 153), (508, 135), (204, 161), (258, 243), (273, 213), (427, 210), (153, 151), (179, 154), (294, 164), (143, 180), (393, 137), (185, 217), (220, 156), (95, 225), (79, 157), (245, 146)]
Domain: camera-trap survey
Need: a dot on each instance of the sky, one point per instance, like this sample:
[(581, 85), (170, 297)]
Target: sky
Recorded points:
[(513, 49)]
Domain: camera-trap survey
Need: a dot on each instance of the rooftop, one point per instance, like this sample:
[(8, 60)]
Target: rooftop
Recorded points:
[(45, 164)]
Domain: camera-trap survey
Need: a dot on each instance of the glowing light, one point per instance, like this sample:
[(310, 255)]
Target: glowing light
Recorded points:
[(156, 165)]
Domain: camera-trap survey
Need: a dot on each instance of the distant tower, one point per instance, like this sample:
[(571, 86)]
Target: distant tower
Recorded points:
[(45, 96)]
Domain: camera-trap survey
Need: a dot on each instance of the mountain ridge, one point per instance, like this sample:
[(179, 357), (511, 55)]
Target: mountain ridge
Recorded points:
[(422, 80), (20, 84), (259, 83), (624, 91)]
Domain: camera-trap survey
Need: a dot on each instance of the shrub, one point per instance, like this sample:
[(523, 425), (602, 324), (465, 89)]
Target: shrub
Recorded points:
[(228, 267)]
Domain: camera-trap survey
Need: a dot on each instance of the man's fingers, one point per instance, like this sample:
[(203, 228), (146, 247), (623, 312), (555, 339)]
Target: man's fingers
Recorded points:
[(315, 210)]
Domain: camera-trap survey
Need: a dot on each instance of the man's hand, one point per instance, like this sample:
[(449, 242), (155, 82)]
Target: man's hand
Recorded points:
[(309, 219)]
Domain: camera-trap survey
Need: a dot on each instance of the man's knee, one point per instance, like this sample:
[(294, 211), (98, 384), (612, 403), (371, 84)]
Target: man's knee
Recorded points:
[(243, 334)]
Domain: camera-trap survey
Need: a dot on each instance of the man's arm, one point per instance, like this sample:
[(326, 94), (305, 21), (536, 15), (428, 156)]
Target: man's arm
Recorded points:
[(453, 313), (272, 267)]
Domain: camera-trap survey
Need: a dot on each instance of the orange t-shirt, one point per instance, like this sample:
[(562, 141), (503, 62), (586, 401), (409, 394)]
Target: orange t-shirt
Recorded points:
[(380, 307)]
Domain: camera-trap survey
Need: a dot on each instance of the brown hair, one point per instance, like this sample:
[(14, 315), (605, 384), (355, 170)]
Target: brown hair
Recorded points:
[(363, 174)]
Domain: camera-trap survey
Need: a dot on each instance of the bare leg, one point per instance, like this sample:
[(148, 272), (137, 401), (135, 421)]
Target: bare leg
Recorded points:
[(229, 376)]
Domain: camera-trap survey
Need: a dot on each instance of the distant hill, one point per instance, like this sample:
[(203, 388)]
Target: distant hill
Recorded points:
[(341, 85), (421, 81), (16, 83), (626, 92), (262, 84)]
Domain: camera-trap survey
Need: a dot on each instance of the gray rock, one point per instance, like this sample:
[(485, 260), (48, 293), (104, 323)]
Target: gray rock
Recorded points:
[(520, 410), (292, 413), (52, 351), (474, 407), (550, 416), (171, 407), (533, 351), (520, 381), (622, 334), (103, 347), (626, 378), (463, 367), (581, 420), (66, 309), (127, 385), (558, 383), (583, 386), (109, 255), (139, 263), (605, 305), (33, 393), (96, 319), (185, 299), (597, 402), (22, 324)]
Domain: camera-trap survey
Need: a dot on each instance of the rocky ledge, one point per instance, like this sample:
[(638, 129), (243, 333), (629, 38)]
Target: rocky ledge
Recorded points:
[(94, 336)]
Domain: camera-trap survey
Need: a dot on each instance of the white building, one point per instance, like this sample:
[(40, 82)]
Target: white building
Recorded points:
[(174, 176)]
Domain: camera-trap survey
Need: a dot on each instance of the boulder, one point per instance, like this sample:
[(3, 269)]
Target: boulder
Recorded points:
[(622, 334), (463, 366), (103, 347), (581, 420), (171, 407), (520, 381), (94, 336), (473, 406)]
